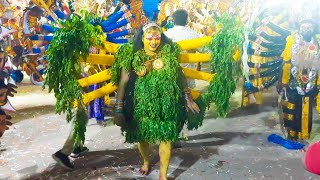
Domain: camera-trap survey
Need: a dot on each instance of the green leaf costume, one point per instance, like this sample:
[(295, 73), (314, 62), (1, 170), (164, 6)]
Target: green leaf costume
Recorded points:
[(158, 112), (69, 44)]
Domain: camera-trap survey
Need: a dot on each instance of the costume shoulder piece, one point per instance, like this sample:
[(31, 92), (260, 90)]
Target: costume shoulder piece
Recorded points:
[(172, 50), (123, 59), (176, 49)]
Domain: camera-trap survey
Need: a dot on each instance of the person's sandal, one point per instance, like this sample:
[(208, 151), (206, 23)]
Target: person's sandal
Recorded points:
[(63, 160)]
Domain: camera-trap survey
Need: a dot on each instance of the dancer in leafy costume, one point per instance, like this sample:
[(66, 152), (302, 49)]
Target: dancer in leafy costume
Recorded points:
[(152, 94), (69, 44)]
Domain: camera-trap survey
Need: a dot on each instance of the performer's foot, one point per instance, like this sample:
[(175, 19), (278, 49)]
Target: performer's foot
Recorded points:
[(144, 170), (62, 160), (79, 151)]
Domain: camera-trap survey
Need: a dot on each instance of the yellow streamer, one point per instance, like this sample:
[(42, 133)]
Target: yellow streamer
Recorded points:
[(96, 78), (287, 104), (193, 74), (101, 59), (107, 99), (318, 96), (10, 51), (103, 91), (43, 4), (286, 54), (318, 103), (305, 118), (110, 47), (194, 43), (286, 73), (194, 58)]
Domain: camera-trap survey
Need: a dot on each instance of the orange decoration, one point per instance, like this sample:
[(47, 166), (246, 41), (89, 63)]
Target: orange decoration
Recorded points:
[(139, 17)]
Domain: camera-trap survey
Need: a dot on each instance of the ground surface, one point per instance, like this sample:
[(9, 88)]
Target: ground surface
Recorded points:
[(235, 147)]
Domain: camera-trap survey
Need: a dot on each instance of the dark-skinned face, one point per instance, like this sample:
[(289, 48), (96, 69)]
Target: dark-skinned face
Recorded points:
[(307, 30)]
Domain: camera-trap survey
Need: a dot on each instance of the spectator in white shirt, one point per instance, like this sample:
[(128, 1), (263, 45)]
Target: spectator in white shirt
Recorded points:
[(181, 32)]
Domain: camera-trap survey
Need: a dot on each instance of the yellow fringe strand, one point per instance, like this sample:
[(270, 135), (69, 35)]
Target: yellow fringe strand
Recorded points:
[(107, 99), (101, 59), (45, 6), (103, 91), (10, 51), (194, 58), (193, 74), (194, 43), (318, 96), (110, 47), (305, 118), (318, 103), (286, 54), (286, 73), (95, 79)]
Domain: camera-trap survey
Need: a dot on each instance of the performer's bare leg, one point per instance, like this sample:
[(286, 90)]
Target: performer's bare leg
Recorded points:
[(144, 149), (165, 154)]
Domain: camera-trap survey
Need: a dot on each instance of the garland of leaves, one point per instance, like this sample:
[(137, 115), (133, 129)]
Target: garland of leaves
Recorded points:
[(224, 44), (123, 58), (195, 120), (69, 44)]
